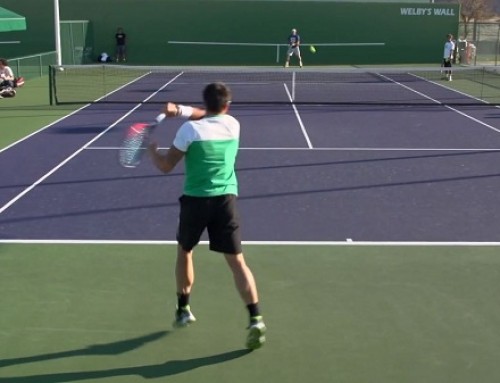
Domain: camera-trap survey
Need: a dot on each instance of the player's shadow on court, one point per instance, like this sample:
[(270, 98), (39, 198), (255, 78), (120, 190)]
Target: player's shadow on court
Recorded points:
[(114, 348), (168, 368), (78, 130)]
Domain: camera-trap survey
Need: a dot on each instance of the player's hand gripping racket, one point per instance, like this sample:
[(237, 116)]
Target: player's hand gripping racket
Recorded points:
[(135, 142)]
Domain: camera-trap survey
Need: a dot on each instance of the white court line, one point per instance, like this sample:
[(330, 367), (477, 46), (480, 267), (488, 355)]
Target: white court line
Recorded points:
[(348, 242), (473, 118), (453, 90), (354, 149), (302, 127), (69, 115), (440, 103), (60, 165), (43, 128), (364, 149)]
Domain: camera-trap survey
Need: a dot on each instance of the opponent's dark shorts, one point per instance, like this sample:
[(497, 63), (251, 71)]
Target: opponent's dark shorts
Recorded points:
[(216, 214)]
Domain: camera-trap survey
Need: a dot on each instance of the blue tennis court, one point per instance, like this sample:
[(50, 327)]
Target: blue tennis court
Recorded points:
[(415, 168), (88, 247)]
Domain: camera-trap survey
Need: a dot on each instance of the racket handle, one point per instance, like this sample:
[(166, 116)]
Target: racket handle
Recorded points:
[(160, 117)]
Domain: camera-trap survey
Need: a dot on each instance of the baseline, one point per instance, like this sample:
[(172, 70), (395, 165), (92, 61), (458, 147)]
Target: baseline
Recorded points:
[(347, 242)]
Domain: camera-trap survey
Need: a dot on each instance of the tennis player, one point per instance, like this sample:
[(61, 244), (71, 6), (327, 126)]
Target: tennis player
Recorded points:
[(449, 48), (209, 145), (293, 48)]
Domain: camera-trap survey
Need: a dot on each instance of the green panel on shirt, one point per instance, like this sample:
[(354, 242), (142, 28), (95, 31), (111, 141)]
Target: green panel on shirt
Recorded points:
[(210, 168)]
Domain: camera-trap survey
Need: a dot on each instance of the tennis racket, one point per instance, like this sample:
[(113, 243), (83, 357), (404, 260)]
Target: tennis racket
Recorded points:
[(135, 142)]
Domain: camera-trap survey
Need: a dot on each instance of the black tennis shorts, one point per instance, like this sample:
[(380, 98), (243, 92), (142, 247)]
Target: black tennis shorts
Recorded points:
[(216, 214)]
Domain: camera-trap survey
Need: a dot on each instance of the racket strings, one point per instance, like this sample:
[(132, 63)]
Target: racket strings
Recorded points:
[(133, 145)]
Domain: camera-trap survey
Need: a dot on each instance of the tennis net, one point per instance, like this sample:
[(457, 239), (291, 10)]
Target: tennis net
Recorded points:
[(272, 85)]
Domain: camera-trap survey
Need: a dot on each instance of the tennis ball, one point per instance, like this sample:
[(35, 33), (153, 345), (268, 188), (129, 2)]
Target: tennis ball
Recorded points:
[(61, 69), (312, 49)]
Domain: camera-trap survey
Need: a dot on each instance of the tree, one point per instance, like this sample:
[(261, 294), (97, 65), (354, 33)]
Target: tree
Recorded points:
[(472, 11)]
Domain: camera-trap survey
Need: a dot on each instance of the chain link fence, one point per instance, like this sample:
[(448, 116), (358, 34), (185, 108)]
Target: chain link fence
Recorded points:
[(76, 42), (33, 66), (478, 44)]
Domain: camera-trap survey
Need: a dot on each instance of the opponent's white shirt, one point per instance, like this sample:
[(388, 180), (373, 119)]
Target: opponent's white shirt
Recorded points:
[(449, 47), (6, 73)]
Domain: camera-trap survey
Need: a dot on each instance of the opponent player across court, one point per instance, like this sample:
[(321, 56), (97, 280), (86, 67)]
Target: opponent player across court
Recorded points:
[(293, 48)]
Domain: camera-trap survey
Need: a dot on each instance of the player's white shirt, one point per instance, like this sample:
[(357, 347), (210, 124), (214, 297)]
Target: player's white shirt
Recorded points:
[(6, 73), (449, 47)]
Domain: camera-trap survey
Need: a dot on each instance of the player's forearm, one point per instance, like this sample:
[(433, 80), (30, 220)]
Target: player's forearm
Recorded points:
[(190, 112), (160, 160), (165, 162), (197, 114)]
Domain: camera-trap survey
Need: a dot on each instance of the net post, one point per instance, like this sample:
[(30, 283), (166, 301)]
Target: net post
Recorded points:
[(51, 92), (497, 45), (483, 81), (293, 86)]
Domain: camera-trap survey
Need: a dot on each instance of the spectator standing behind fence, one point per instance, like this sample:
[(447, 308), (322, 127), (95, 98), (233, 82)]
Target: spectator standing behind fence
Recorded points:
[(121, 45), (449, 48)]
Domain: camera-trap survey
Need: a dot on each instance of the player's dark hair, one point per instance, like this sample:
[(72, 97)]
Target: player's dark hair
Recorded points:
[(216, 96), (4, 62)]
